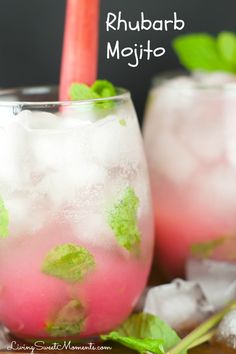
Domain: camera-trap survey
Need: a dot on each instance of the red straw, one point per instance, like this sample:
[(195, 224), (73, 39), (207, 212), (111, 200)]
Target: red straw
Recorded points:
[(80, 48)]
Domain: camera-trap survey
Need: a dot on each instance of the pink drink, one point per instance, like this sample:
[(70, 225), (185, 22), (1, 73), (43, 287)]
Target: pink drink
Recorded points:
[(65, 271), (190, 137)]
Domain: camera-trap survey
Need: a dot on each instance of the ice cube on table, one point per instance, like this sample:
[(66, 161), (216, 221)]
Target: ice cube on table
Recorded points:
[(217, 279), (226, 331), (4, 338), (181, 304)]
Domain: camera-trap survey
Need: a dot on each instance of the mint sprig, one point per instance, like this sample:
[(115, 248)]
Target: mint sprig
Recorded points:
[(68, 262), (69, 320), (140, 345), (145, 325), (155, 329), (4, 220), (123, 220), (100, 89), (147, 333), (204, 52)]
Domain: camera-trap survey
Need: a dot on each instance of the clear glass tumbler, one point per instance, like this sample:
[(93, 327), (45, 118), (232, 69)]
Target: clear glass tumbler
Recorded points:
[(190, 139), (76, 233)]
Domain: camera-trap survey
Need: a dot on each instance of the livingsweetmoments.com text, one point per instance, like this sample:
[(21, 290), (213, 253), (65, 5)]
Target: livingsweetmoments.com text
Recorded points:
[(42, 346), (137, 52)]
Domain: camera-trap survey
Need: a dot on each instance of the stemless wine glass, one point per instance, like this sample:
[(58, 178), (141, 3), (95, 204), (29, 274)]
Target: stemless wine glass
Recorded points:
[(76, 234), (190, 138)]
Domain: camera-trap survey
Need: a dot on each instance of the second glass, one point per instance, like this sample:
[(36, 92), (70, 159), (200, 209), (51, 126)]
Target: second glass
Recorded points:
[(190, 138)]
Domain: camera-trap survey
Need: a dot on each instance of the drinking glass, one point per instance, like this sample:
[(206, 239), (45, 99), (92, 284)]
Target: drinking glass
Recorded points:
[(190, 139), (76, 235)]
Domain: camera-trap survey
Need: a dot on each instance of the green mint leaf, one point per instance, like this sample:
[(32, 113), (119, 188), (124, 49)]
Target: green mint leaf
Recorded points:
[(69, 321), (4, 220), (122, 218), (206, 249), (200, 52), (68, 262), (122, 122), (80, 92), (100, 89), (226, 42), (145, 325), (140, 345), (104, 88)]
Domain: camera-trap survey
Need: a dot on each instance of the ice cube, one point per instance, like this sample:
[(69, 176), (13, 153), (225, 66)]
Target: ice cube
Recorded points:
[(52, 143), (164, 104), (216, 189), (65, 184), (115, 139), (181, 304), (171, 158), (13, 154), (4, 338), (226, 331), (202, 129), (217, 279), (38, 120), (27, 213)]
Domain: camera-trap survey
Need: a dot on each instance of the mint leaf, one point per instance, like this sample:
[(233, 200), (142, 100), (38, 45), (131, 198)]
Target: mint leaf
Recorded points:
[(122, 122), (103, 88), (200, 52), (145, 325), (100, 89), (82, 92), (226, 42), (207, 248), (122, 218), (69, 321), (4, 220), (68, 262), (140, 345)]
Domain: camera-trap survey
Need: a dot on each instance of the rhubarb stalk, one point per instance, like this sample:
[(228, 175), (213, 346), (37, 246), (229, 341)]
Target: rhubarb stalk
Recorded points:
[(80, 47)]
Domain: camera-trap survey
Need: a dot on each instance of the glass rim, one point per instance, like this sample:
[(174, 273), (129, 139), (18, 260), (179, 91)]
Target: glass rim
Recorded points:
[(122, 94), (166, 77)]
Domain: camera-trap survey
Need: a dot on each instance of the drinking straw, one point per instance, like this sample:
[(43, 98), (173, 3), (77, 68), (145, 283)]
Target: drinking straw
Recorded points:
[(80, 47)]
